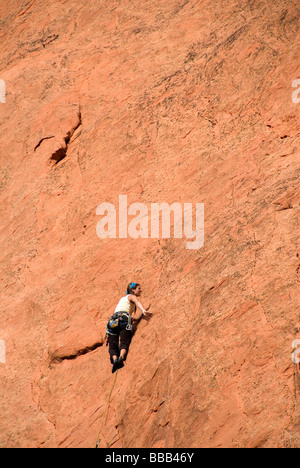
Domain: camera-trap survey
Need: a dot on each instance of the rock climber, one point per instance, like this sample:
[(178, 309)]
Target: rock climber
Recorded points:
[(119, 326)]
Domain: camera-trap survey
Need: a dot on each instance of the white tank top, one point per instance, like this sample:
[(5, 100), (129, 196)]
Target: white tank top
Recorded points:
[(125, 306)]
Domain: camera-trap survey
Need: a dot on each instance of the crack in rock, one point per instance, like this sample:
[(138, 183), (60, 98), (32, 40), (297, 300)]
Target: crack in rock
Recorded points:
[(41, 141), (61, 153), (59, 356)]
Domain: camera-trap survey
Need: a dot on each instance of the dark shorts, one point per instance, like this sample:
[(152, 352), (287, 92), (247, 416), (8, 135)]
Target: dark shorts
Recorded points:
[(120, 340)]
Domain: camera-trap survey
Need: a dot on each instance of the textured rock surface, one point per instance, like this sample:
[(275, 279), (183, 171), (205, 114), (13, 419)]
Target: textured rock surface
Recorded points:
[(187, 101)]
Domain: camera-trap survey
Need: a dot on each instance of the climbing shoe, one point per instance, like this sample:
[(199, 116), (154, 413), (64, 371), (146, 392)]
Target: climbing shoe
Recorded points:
[(121, 363), (115, 366)]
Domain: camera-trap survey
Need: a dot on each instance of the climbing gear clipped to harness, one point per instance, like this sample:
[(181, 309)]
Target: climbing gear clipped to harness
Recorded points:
[(113, 325)]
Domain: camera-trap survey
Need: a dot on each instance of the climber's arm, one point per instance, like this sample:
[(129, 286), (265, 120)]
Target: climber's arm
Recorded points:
[(135, 300)]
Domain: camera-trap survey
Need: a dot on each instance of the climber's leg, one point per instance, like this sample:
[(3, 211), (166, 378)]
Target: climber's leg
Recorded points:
[(114, 351), (125, 340)]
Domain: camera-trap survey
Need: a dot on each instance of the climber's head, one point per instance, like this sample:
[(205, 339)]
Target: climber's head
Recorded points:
[(134, 288)]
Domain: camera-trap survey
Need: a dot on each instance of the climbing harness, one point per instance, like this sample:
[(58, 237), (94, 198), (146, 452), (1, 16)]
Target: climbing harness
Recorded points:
[(112, 327), (106, 408)]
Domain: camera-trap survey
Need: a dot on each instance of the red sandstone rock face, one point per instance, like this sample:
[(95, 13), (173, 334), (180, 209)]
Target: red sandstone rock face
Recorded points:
[(163, 101)]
